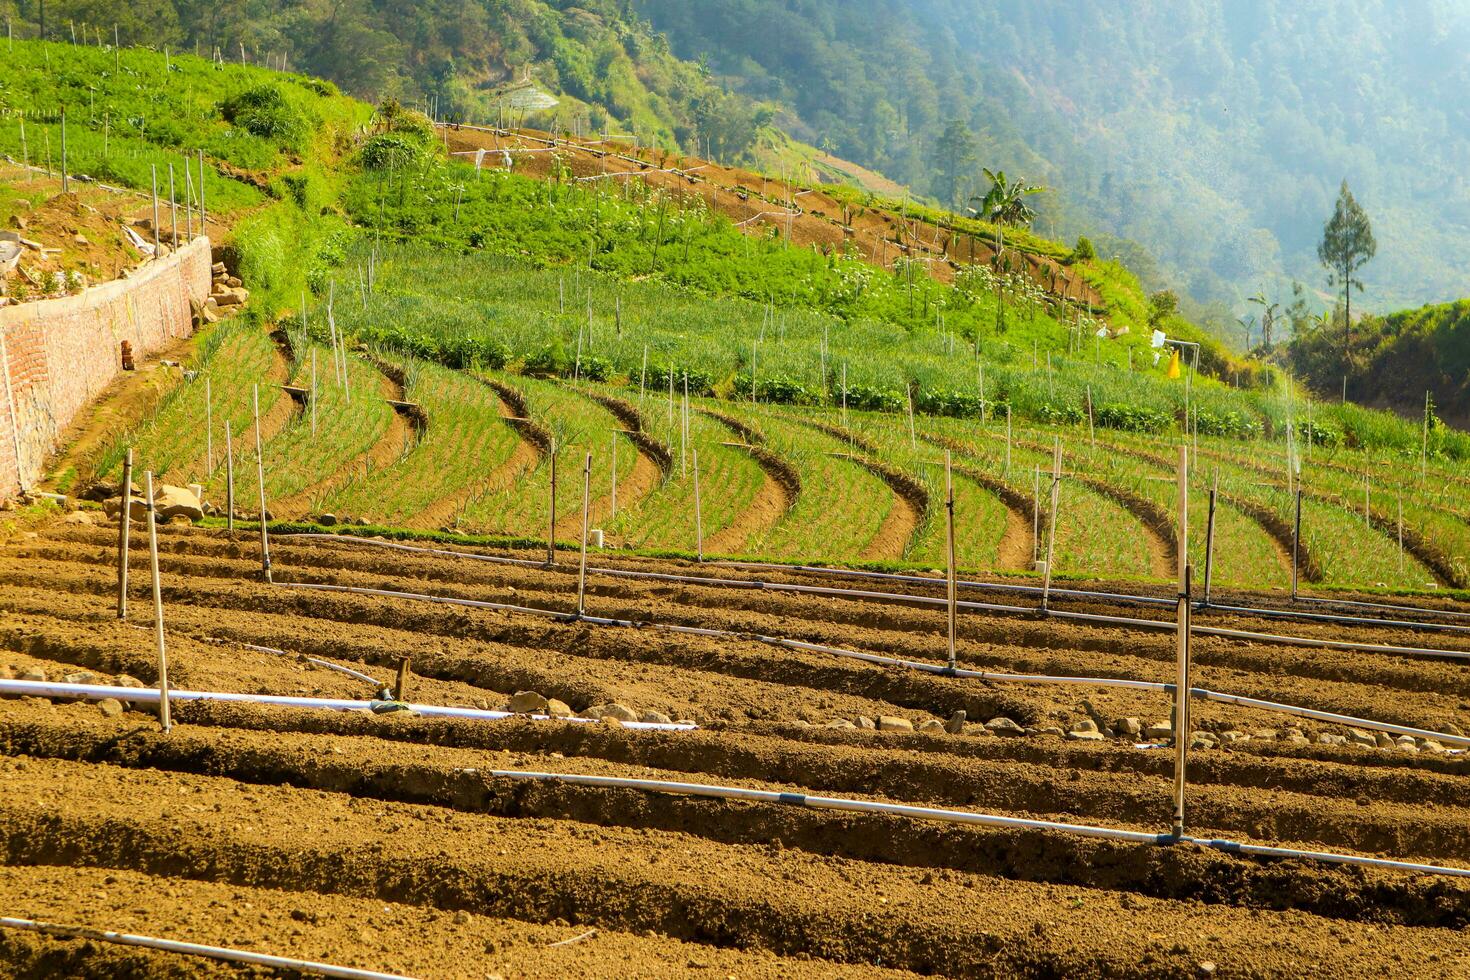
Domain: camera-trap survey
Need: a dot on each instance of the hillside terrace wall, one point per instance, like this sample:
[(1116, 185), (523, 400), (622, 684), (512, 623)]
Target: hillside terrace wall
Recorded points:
[(59, 354)]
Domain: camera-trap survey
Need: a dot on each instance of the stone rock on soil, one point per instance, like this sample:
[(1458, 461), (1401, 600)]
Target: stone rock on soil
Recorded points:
[(656, 718), (892, 723), (1004, 726), (1128, 726), (327, 520), (558, 709), (932, 726), (1382, 740), (866, 723), (1160, 730), (80, 677), (956, 723), (613, 710), (526, 702), (80, 517), (1086, 725), (1360, 737), (1051, 730), (32, 674), (170, 502), (110, 707), (840, 723), (1082, 735), (128, 680)]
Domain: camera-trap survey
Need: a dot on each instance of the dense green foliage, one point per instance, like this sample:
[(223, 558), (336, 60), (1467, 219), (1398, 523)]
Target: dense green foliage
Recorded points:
[(1394, 360)]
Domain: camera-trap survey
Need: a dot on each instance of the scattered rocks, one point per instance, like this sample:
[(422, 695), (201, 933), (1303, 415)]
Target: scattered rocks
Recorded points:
[(170, 502), (1127, 727), (1002, 725), (32, 674), (866, 723), (1160, 730), (558, 709), (128, 680), (526, 702), (1451, 729), (956, 723), (656, 718), (614, 710), (80, 677), (1382, 740), (893, 723), (326, 520), (932, 726), (840, 723), (1360, 737), (1086, 725), (81, 517), (1052, 730), (1084, 735), (110, 707)]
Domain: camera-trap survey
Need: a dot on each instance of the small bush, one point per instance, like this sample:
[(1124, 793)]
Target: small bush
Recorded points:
[(264, 112)]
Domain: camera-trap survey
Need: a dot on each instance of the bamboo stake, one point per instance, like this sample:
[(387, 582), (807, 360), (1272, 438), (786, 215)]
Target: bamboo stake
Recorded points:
[(551, 530), (1008, 440), (1051, 533), (698, 514), (265, 544), (1296, 545), (229, 479), (614, 441), (125, 519), (163, 712), (1401, 533), (586, 506), (400, 683), (1182, 667), (156, 253), (1035, 515), (173, 207), (1210, 537), (949, 539), (313, 391), (202, 229), (208, 426)]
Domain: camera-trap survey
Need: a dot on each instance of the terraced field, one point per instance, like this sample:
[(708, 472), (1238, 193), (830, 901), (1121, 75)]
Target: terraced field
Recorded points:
[(411, 845)]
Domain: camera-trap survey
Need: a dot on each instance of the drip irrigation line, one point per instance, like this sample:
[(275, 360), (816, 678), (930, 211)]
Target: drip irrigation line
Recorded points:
[(149, 695), (340, 668), (966, 817), (1386, 606), (195, 949), (915, 579), (886, 661), (921, 600)]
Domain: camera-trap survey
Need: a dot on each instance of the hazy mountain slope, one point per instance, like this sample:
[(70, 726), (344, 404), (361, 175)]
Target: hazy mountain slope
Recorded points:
[(1214, 134)]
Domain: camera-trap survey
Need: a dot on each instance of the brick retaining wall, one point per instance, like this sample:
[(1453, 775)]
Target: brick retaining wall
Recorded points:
[(61, 353)]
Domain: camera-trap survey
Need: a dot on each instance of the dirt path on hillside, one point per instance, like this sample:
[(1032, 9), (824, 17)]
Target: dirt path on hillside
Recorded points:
[(778, 492), (444, 511), (399, 438)]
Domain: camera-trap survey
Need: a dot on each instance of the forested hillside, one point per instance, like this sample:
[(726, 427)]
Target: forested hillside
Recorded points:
[(1215, 135)]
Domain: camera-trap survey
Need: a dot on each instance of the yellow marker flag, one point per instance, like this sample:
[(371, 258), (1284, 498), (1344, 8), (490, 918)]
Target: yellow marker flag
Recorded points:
[(1173, 371)]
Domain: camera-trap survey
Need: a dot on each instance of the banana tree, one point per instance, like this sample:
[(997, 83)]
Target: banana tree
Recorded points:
[(1004, 205)]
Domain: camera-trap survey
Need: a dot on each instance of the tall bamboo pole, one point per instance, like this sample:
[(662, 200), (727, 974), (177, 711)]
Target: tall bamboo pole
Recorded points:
[(265, 543), (124, 522), (163, 712), (1181, 676), (952, 589), (586, 512)]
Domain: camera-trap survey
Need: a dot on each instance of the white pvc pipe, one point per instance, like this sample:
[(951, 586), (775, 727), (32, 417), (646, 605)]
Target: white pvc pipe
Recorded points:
[(149, 695), (195, 949), (874, 658), (963, 816)]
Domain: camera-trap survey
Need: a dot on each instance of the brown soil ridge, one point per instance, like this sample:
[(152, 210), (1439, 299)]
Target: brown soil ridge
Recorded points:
[(632, 419), (651, 467), (778, 493), (406, 426)]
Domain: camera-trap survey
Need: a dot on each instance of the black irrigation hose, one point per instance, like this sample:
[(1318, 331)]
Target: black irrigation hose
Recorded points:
[(920, 600)]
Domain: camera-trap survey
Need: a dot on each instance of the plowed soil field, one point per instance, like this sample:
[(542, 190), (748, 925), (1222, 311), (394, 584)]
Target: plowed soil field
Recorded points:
[(400, 842)]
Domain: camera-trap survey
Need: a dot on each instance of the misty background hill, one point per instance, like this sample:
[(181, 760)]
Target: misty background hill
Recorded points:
[(1215, 135)]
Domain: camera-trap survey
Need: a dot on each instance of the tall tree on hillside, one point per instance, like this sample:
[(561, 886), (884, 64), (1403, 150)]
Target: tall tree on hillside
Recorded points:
[(1347, 245), (1269, 312), (954, 155), (1005, 204)]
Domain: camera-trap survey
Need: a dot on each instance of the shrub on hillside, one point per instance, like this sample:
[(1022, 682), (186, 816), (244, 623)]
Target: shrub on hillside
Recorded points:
[(263, 111)]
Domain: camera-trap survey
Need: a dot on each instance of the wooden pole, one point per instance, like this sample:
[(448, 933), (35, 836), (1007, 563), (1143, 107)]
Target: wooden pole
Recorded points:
[(1181, 677), (400, 684), (65, 182), (614, 441), (551, 529), (698, 516), (1296, 545), (265, 543), (586, 510), (156, 254), (1401, 533), (173, 211), (1091, 434), (125, 519), (952, 588), (1210, 538), (163, 712), (208, 426), (313, 391), (202, 229), (1051, 521), (1008, 440), (229, 479)]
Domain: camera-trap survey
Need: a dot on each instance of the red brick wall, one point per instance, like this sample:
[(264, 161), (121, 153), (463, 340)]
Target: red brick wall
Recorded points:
[(61, 353)]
